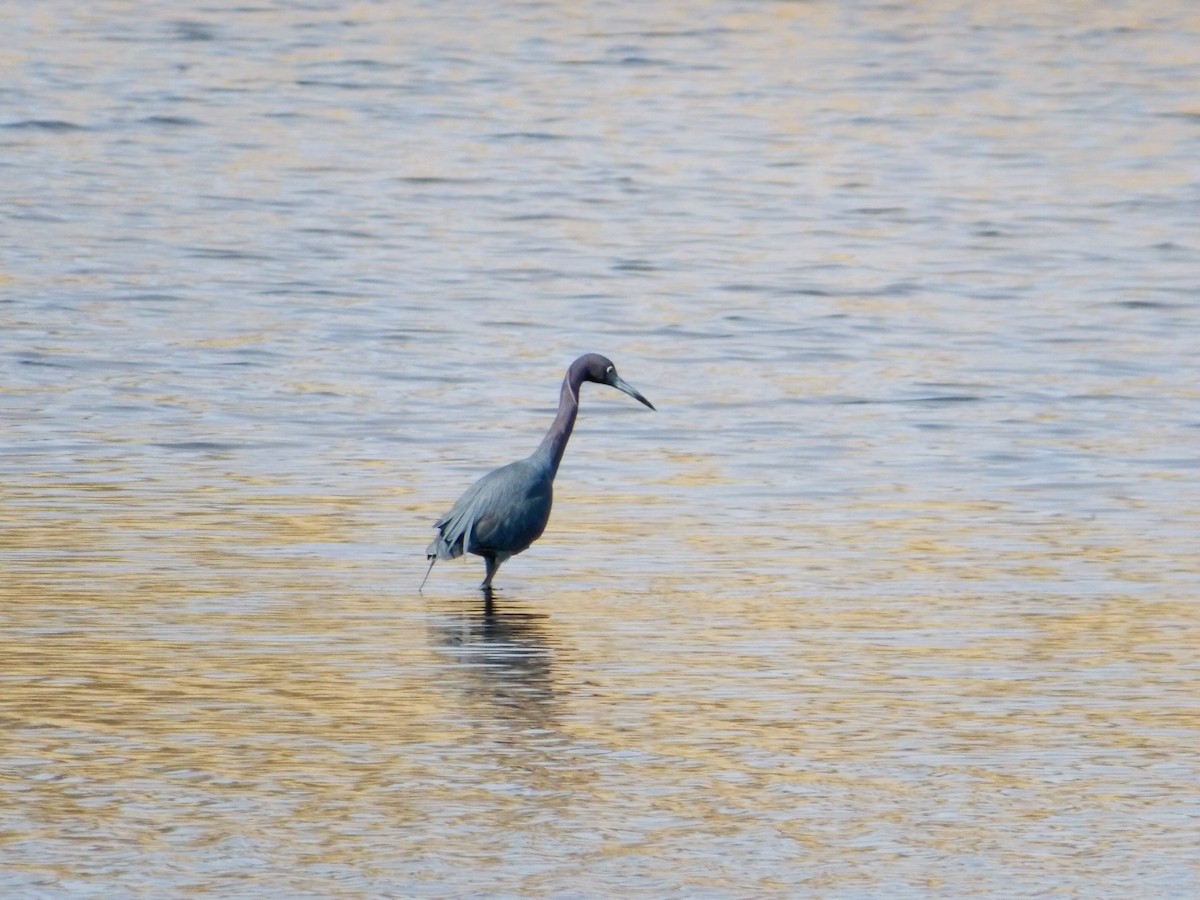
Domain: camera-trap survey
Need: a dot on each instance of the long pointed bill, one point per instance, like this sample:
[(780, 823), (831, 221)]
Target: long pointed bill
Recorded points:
[(622, 385)]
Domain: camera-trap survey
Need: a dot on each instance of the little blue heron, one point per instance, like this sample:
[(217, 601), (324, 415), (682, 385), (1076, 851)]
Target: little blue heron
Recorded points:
[(507, 510)]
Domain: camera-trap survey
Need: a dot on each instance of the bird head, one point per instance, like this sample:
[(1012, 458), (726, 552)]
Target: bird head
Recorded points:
[(601, 370)]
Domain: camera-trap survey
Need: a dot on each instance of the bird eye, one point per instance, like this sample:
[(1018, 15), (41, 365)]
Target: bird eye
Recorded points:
[(608, 371)]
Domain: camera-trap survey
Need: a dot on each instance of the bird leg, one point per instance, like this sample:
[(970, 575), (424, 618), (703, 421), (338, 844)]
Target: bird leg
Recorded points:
[(492, 568), (432, 560)]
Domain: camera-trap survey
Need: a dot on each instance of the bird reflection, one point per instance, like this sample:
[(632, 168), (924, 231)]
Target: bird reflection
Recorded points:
[(503, 655)]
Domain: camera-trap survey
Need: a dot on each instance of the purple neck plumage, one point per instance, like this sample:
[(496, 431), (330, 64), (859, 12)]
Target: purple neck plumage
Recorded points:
[(555, 441)]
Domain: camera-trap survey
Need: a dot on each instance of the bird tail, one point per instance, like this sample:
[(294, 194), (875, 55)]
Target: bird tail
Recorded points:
[(449, 543), (451, 538)]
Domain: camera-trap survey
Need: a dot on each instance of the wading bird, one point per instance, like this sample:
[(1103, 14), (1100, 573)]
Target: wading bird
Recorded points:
[(507, 510)]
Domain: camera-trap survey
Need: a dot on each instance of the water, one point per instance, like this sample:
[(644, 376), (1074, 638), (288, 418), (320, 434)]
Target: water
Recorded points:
[(894, 595)]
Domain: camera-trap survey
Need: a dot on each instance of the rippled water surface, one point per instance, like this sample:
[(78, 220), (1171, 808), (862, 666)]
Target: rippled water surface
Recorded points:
[(895, 595)]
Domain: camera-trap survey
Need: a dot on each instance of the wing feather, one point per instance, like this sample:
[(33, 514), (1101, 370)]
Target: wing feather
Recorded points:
[(501, 514)]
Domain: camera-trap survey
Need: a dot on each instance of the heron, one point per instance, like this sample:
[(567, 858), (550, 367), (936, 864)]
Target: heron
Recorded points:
[(506, 510)]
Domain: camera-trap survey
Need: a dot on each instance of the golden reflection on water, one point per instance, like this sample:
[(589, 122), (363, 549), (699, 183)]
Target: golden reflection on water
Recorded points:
[(797, 635), (240, 690)]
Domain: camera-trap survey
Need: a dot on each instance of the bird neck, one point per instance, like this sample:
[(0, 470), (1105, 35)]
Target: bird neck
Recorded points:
[(555, 441)]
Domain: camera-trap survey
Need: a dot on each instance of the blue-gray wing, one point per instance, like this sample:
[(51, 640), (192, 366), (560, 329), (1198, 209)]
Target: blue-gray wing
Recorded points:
[(501, 514)]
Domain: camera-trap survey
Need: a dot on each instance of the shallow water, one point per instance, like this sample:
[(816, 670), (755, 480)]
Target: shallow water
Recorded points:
[(896, 592)]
